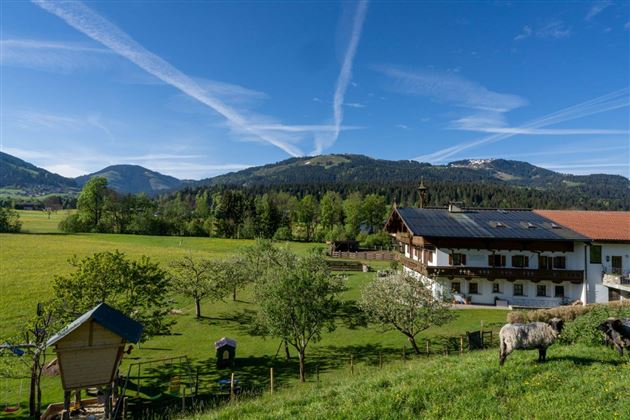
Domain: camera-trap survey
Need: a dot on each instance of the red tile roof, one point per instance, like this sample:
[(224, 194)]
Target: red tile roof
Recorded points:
[(597, 225)]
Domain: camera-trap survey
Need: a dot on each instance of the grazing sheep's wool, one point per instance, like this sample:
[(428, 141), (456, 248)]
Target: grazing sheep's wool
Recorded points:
[(617, 333), (537, 335)]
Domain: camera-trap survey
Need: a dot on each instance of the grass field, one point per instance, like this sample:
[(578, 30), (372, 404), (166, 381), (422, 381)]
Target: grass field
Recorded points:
[(577, 382), (28, 262)]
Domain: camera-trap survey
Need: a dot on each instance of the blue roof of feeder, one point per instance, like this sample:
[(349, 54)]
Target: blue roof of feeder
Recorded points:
[(108, 317)]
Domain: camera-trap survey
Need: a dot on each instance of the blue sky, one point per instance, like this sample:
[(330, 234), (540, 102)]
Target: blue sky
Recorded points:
[(194, 89)]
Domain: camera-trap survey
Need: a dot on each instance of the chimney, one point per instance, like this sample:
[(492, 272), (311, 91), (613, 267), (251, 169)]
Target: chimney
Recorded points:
[(423, 192), (455, 207)]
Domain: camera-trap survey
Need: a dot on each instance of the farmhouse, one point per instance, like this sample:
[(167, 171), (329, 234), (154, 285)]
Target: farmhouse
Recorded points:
[(607, 260), (490, 256)]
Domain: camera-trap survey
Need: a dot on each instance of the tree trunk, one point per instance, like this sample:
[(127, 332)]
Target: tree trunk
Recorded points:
[(286, 350), (302, 368), (412, 340), (197, 308), (35, 391)]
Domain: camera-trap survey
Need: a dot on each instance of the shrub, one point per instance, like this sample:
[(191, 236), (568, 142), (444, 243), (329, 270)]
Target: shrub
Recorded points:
[(581, 321), (9, 220), (72, 224), (283, 234), (377, 240)]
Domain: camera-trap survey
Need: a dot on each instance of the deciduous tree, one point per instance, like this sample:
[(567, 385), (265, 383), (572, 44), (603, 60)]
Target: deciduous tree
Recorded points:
[(403, 302)]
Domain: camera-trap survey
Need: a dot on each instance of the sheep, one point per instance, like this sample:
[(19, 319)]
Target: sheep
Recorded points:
[(616, 333), (536, 335)]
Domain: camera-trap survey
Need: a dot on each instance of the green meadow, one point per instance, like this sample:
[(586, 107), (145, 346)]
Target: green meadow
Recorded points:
[(28, 262)]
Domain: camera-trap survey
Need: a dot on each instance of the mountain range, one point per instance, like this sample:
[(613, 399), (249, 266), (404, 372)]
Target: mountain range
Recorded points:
[(16, 174)]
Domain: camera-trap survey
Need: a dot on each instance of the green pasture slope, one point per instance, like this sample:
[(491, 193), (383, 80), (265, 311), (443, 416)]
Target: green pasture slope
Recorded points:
[(577, 382), (28, 262)]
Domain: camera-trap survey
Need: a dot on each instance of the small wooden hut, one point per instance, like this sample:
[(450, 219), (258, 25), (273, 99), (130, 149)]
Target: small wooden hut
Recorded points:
[(89, 351)]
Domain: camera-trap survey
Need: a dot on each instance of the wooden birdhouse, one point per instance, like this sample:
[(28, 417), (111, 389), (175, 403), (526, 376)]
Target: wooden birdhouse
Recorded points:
[(226, 352), (90, 349)]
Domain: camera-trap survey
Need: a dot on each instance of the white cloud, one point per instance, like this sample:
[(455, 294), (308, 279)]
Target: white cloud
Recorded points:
[(59, 56), (354, 105), (324, 141), (87, 21), (402, 126), (45, 121), (597, 8), (555, 29), (450, 88), (611, 101), (66, 170)]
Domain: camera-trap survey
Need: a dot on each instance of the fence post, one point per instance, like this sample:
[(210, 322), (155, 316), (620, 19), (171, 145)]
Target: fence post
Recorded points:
[(232, 387), (427, 348), (317, 373), (271, 379), (380, 360), (461, 345), (196, 381), (351, 365), (403, 353)]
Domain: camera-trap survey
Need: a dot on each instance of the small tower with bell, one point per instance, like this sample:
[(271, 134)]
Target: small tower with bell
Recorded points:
[(423, 192)]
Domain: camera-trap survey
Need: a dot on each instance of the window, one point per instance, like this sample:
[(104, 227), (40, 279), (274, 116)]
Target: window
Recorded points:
[(559, 292), (496, 260), (518, 290), (473, 288), (457, 259), (496, 288), (560, 262), (545, 262), (596, 254), (456, 287), (541, 290), (520, 261)]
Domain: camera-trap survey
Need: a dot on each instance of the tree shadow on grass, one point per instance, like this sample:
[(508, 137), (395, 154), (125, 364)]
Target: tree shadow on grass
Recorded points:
[(585, 361), (351, 315)]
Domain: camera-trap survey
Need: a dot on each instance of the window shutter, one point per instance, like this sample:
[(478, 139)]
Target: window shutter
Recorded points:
[(450, 259), (463, 259), (491, 260), (526, 261), (502, 260)]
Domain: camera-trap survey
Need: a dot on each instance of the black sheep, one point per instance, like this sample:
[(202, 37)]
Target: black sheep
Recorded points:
[(617, 333)]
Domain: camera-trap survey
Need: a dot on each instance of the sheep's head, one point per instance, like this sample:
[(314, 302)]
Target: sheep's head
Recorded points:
[(609, 325), (557, 324)]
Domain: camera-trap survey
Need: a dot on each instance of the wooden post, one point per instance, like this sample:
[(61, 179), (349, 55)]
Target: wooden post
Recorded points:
[(446, 350), (427, 347), (403, 354), (184, 398), (271, 379), (108, 394), (461, 345), (139, 382), (66, 405), (124, 415), (232, 387), (380, 360), (317, 373), (351, 365)]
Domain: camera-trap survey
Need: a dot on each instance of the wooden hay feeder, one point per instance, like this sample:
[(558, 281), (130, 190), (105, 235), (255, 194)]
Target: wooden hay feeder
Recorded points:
[(89, 350), (226, 352)]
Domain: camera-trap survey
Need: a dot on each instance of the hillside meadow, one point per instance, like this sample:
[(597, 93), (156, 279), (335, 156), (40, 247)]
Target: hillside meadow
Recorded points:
[(576, 382), (28, 262)]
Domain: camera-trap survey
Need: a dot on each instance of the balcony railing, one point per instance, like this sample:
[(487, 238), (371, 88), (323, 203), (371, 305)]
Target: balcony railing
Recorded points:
[(492, 273), (617, 279)]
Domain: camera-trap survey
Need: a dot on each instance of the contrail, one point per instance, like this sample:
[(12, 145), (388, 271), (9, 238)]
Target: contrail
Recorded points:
[(343, 79), (613, 100), (90, 23)]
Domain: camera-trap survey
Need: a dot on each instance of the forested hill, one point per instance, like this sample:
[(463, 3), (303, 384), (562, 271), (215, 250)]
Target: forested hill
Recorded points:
[(362, 169), (134, 179), (479, 183), (18, 174)]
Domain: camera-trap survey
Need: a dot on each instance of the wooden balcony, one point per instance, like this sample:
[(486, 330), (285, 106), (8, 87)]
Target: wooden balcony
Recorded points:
[(493, 273)]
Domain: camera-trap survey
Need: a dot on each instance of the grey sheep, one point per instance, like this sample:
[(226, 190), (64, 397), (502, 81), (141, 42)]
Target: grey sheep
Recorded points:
[(536, 335), (617, 333)]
